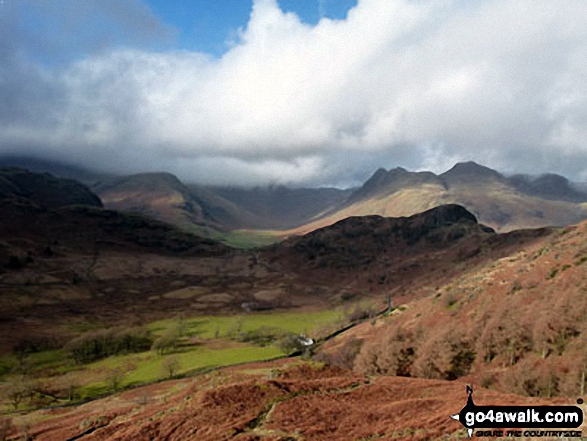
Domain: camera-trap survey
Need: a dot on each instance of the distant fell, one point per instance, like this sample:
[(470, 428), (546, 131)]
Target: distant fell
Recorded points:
[(549, 186), (383, 182), (55, 168), (40, 209), (164, 197), (501, 202), (45, 190), (470, 173)]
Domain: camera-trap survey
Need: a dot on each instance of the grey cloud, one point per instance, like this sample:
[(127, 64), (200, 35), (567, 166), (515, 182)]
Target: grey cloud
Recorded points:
[(420, 84)]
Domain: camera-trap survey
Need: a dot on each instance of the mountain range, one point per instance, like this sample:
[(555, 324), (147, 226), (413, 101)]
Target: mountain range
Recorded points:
[(504, 203), (263, 215)]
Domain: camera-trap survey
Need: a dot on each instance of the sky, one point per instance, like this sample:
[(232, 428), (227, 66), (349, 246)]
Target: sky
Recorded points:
[(295, 92)]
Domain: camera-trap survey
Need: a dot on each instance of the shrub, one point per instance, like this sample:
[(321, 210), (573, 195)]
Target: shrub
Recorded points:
[(391, 355), (360, 312), (450, 300), (170, 366), (533, 377), (461, 362), (446, 355), (17, 391), (553, 273), (115, 378), (263, 336), (290, 343)]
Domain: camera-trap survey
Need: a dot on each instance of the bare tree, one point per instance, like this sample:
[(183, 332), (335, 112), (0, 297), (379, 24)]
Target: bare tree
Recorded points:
[(115, 378), (18, 391), (507, 337), (390, 355)]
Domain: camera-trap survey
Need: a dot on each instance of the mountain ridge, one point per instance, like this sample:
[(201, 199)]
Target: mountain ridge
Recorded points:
[(502, 202)]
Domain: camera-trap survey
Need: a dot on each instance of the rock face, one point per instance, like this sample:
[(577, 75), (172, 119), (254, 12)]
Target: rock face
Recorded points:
[(357, 240), (443, 216)]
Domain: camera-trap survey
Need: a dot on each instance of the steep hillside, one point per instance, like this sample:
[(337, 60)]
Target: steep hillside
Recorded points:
[(375, 256), (516, 324), (164, 197), (61, 262), (503, 203)]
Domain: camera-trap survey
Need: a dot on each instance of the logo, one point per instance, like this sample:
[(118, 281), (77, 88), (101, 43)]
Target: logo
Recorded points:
[(474, 417)]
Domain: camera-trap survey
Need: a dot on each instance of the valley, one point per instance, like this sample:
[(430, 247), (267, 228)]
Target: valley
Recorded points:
[(118, 325), (250, 217)]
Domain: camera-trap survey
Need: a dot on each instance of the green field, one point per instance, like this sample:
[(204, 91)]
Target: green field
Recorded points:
[(220, 326), (205, 342), (244, 239)]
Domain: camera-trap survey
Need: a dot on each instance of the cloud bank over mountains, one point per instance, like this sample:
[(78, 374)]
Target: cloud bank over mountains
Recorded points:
[(416, 83)]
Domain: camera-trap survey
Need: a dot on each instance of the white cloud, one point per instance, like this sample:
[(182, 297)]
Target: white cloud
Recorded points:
[(413, 83)]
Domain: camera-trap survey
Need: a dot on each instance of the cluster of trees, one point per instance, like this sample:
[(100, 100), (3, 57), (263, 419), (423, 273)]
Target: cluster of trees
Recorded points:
[(526, 345), (103, 343), (168, 341), (24, 389)]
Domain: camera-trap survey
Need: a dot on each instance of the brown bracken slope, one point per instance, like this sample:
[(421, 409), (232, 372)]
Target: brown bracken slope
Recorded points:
[(517, 324), (276, 401)]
